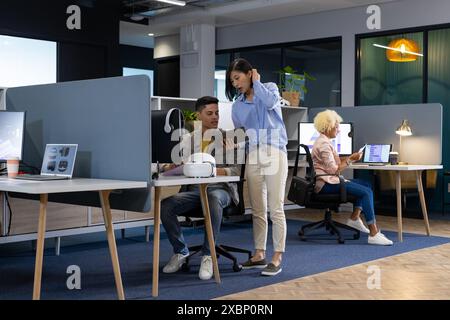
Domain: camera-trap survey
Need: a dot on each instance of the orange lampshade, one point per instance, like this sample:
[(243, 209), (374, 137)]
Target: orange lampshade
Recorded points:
[(403, 46)]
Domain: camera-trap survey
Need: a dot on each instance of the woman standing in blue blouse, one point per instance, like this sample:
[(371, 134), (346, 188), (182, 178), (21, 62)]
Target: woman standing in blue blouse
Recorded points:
[(257, 109)]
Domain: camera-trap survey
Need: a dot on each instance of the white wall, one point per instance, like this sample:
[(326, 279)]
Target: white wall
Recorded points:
[(167, 46), (197, 60), (345, 23)]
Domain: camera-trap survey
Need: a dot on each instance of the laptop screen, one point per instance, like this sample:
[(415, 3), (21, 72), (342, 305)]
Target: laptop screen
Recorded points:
[(377, 153), (59, 159)]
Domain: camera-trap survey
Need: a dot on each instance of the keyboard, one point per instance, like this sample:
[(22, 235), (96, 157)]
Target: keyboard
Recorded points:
[(367, 164), (39, 177)]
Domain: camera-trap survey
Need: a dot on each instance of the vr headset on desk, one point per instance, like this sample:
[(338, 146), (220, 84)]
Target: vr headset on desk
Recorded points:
[(200, 165)]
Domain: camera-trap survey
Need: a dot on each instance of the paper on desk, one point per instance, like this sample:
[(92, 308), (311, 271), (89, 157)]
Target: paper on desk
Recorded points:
[(362, 148), (177, 171)]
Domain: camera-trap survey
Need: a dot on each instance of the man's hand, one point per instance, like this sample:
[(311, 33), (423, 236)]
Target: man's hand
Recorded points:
[(168, 166), (228, 144), (221, 172), (255, 75)]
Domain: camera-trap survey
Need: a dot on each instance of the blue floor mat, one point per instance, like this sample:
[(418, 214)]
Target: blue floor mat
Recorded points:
[(97, 279)]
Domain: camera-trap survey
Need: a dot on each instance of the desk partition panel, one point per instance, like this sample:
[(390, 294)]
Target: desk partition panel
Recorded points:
[(108, 118), (377, 124)]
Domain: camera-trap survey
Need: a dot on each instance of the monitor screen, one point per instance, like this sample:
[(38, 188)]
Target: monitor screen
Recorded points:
[(12, 126), (343, 142), (163, 140), (377, 153)]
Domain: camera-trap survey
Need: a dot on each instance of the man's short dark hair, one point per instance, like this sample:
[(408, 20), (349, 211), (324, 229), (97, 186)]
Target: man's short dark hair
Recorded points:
[(204, 101)]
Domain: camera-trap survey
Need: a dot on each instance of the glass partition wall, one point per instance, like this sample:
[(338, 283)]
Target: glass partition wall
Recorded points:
[(319, 58)]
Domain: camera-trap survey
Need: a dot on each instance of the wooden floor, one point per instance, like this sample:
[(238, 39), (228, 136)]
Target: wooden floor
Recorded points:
[(420, 274)]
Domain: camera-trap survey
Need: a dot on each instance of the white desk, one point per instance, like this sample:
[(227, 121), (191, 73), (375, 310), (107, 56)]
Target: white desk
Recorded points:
[(176, 181), (398, 187), (43, 188)]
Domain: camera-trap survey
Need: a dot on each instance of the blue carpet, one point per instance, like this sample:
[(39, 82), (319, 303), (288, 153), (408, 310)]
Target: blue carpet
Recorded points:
[(97, 280)]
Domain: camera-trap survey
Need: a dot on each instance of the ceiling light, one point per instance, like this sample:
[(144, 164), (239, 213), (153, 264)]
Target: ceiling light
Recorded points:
[(151, 34), (174, 2), (136, 17), (401, 50)]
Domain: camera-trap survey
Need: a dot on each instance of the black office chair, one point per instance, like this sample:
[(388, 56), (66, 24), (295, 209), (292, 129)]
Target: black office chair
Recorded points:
[(329, 202), (228, 212)]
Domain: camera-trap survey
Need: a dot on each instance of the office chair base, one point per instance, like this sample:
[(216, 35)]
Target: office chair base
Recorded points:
[(331, 226), (221, 250)]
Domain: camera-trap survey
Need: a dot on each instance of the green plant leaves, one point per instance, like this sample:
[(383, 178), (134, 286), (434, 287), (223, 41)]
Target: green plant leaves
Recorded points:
[(291, 79), (189, 115)]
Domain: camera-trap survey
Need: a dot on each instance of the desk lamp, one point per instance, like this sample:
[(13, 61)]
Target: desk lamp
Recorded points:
[(404, 130)]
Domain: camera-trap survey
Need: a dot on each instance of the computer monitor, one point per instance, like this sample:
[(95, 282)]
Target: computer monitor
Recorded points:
[(12, 126), (343, 143), (164, 137)]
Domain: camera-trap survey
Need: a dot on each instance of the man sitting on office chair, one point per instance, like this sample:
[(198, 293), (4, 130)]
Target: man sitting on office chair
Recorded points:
[(327, 164), (220, 195)]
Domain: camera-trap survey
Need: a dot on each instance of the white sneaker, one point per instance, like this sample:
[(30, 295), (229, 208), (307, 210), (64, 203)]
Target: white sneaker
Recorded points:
[(380, 239), (357, 224), (175, 263), (206, 268)]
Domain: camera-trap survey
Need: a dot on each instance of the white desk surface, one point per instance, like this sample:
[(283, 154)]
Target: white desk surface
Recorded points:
[(408, 167), (181, 180), (72, 185)]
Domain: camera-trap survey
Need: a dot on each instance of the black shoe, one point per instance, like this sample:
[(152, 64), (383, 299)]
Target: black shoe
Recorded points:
[(249, 264), (271, 270)]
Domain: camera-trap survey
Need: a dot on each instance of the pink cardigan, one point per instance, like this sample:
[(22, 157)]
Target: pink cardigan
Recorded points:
[(326, 161)]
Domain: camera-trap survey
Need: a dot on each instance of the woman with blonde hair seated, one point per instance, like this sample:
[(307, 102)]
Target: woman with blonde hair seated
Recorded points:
[(327, 161)]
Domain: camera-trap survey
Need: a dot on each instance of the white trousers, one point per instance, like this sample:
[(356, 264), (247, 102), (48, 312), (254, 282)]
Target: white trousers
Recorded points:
[(267, 171)]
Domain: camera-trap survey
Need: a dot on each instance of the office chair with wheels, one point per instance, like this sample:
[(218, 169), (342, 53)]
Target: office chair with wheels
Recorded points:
[(228, 212), (302, 193)]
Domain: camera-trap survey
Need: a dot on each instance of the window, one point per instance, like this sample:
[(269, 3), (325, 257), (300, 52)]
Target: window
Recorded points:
[(323, 62), (137, 72), (319, 58), (26, 61), (424, 80), (386, 82), (222, 62)]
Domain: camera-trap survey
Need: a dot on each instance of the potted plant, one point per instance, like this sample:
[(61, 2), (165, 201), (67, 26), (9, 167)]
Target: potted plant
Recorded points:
[(189, 118), (291, 83)]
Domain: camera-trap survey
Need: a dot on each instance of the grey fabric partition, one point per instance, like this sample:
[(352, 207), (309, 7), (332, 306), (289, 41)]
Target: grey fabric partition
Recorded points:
[(108, 118), (377, 124)]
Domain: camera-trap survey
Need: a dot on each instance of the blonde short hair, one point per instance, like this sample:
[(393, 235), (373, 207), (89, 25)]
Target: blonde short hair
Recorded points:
[(326, 120)]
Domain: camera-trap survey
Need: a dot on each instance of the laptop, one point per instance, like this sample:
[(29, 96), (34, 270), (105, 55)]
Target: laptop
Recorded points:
[(375, 155), (58, 163)]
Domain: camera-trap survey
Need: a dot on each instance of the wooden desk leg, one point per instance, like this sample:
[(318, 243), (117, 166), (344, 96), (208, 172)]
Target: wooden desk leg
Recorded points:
[(104, 200), (422, 201), (156, 235), (40, 246), (398, 188), (209, 230)]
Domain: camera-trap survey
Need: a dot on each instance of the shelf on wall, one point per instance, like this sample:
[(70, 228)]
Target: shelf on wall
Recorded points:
[(294, 108), (173, 98)]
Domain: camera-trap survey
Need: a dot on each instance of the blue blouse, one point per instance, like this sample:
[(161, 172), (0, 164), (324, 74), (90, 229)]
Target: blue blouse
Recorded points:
[(264, 112)]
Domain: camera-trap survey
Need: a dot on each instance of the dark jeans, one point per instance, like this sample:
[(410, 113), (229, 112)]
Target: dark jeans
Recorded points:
[(362, 190), (184, 202)]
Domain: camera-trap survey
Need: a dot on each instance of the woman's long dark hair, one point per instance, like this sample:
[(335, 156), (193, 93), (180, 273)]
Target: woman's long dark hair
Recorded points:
[(240, 65)]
